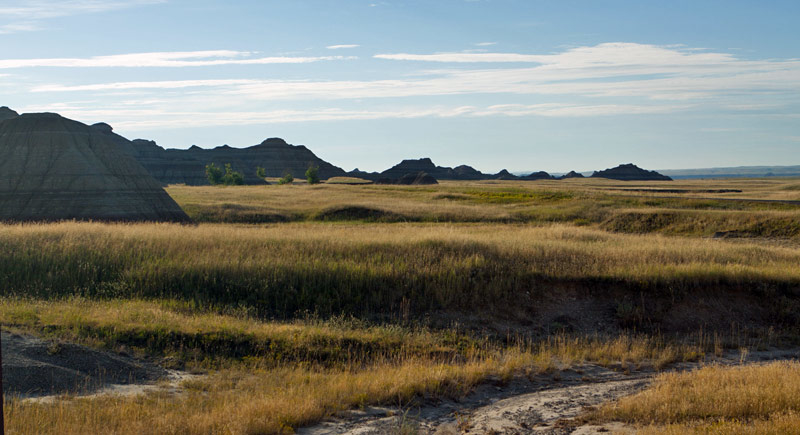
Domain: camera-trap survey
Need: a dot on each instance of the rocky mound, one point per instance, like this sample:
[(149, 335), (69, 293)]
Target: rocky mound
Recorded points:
[(505, 175), (413, 166), (541, 175), (571, 174), (420, 178), (53, 168), (630, 172), (6, 113)]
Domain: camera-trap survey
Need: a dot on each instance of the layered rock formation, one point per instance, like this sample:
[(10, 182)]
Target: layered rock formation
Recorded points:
[(274, 155), (53, 168), (6, 113), (630, 172), (173, 166)]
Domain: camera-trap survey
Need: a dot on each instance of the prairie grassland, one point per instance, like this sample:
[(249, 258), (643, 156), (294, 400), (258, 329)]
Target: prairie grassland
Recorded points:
[(324, 308), (612, 205), (329, 269), (715, 399), (253, 394)]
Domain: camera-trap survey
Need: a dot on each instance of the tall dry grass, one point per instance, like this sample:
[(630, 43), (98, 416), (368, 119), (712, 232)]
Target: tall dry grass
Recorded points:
[(256, 395), (283, 270), (716, 399)]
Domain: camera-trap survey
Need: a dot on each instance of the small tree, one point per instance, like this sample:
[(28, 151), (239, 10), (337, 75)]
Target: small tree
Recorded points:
[(231, 177), (213, 173), (312, 174), (261, 172), (287, 178)]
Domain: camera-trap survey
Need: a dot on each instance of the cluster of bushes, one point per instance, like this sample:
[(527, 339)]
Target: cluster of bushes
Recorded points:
[(229, 177)]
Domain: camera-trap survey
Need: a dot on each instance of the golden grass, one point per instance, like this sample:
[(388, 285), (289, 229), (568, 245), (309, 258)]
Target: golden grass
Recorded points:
[(715, 399), (632, 207), (257, 396), (368, 268)]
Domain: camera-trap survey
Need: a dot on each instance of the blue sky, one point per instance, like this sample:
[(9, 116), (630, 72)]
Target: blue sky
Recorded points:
[(517, 84)]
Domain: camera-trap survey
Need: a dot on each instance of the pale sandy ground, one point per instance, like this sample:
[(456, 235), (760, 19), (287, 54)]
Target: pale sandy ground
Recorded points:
[(545, 404)]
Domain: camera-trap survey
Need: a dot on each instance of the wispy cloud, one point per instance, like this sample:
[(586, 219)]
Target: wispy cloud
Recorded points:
[(342, 46), (28, 15), (22, 26), (162, 59), (604, 80), (122, 117), (604, 71), (464, 57), (485, 44)]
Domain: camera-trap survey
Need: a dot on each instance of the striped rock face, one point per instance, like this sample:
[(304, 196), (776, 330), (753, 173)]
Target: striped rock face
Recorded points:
[(53, 168)]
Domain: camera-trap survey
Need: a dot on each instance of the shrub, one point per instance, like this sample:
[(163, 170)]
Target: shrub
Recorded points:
[(312, 174), (261, 172), (287, 178), (231, 177), (213, 173)]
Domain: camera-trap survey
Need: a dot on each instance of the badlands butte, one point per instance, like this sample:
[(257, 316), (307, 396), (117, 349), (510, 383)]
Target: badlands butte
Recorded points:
[(176, 166)]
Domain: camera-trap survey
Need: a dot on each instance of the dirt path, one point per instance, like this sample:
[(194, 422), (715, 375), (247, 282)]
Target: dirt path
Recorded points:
[(542, 405)]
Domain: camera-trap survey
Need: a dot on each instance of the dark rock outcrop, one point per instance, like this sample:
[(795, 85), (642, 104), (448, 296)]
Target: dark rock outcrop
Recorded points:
[(571, 174), (505, 175), (174, 166), (630, 172), (419, 178), (411, 166), (541, 175), (6, 113), (274, 155), (53, 168)]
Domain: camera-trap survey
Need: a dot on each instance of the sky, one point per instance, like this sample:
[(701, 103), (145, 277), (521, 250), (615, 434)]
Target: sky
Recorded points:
[(517, 84)]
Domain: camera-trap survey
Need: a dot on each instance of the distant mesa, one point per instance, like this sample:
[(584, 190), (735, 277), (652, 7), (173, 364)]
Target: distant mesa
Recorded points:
[(419, 178), (53, 168), (541, 175), (6, 113), (571, 174), (505, 175), (630, 172), (461, 172)]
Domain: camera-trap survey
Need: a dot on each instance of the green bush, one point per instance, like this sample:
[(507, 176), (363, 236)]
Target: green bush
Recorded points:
[(231, 177), (261, 172), (287, 178), (213, 173), (312, 174)]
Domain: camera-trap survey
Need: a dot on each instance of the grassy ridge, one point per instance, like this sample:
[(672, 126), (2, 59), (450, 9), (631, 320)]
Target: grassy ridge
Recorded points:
[(329, 269), (615, 206)]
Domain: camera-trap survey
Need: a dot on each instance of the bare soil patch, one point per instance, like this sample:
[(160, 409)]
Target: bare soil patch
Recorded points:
[(33, 367), (544, 404)]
